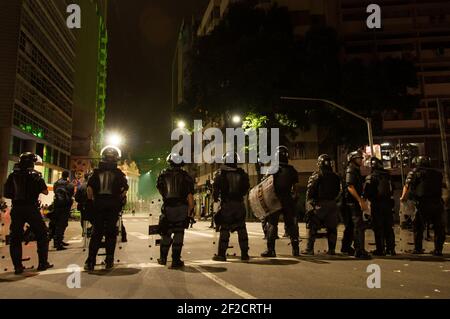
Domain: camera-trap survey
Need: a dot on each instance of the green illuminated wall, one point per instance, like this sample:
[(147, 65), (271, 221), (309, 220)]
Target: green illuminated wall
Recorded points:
[(101, 83)]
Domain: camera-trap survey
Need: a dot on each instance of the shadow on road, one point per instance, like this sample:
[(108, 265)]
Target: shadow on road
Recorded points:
[(273, 262), (11, 277)]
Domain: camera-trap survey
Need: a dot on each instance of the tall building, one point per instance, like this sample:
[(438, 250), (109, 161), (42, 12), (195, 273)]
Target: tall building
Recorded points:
[(90, 85), (37, 63), (416, 30)]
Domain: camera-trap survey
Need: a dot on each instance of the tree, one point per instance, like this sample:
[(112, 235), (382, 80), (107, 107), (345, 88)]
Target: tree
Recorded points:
[(252, 58)]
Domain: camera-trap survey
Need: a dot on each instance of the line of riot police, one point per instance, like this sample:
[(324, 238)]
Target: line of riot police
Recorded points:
[(327, 198)]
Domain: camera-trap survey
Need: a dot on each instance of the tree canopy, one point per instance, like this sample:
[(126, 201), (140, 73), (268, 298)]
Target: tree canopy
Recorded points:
[(252, 58)]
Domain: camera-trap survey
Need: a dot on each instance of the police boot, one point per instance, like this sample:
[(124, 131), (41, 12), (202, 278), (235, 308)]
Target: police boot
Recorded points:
[(348, 251), (176, 256), (162, 260), (270, 252), (89, 265), (42, 250), (222, 251), (310, 247), (221, 256), (109, 262), (19, 269), (44, 266), (363, 255), (244, 255), (437, 252), (295, 247)]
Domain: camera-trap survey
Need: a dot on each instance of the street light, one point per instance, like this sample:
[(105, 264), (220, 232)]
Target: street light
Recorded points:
[(181, 124), (236, 119), (367, 120), (114, 139)]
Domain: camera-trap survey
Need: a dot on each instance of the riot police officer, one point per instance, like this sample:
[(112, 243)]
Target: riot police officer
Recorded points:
[(284, 180), (355, 207), (106, 189), (62, 203), (81, 199), (23, 187), (321, 208), (231, 184), (177, 189), (425, 186), (378, 190)]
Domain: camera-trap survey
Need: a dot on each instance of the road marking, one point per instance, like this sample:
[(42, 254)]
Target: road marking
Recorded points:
[(199, 234), (75, 241), (224, 284), (139, 235)]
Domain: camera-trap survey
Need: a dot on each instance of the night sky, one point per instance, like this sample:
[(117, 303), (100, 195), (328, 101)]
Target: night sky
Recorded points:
[(142, 41)]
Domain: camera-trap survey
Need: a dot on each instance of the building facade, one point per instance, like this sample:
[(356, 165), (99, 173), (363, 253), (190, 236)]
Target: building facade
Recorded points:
[(420, 32), (90, 85), (37, 60)]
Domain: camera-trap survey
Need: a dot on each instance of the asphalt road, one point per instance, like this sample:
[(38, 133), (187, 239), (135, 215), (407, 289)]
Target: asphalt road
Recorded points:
[(137, 276)]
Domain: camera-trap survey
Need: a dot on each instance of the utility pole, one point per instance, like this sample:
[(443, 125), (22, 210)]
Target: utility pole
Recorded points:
[(442, 126)]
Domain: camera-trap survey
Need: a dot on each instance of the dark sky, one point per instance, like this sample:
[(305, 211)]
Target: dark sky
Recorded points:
[(142, 41)]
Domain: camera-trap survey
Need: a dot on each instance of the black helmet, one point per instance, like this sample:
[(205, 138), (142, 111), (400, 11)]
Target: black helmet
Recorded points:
[(230, 159), (27, 160), (376, 163), (282, 154), (175, 160), (110, 154), (354, 155), (324, 161), (423, 161)]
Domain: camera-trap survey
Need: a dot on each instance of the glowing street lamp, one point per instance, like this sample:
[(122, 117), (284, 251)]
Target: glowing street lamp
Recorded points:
[(236, 119), (181, 124), (114, 139)]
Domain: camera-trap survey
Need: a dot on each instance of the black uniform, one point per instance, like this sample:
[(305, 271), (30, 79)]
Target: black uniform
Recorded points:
[(23, 187), (174, 184), (378, 190), (81, 199), (353, 219), (323, 189), (425, 186), (284, 179), (62, 203), (108, 184), (231, 185)]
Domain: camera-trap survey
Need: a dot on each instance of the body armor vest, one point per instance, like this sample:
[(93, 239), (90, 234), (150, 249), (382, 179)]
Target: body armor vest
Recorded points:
[(329, 186)]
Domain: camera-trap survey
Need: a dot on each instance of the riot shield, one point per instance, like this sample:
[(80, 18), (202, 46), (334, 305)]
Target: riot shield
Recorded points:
[(3, 224), (5, 263), (86, 234), (369, 233), (406, 237), (153, 229)]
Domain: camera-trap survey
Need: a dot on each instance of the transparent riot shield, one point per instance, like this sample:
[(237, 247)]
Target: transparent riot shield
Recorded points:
[(370, 244), (3, 224), (153, 229), (406, 236), (120, 244), (5, 263), (86, 235)]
